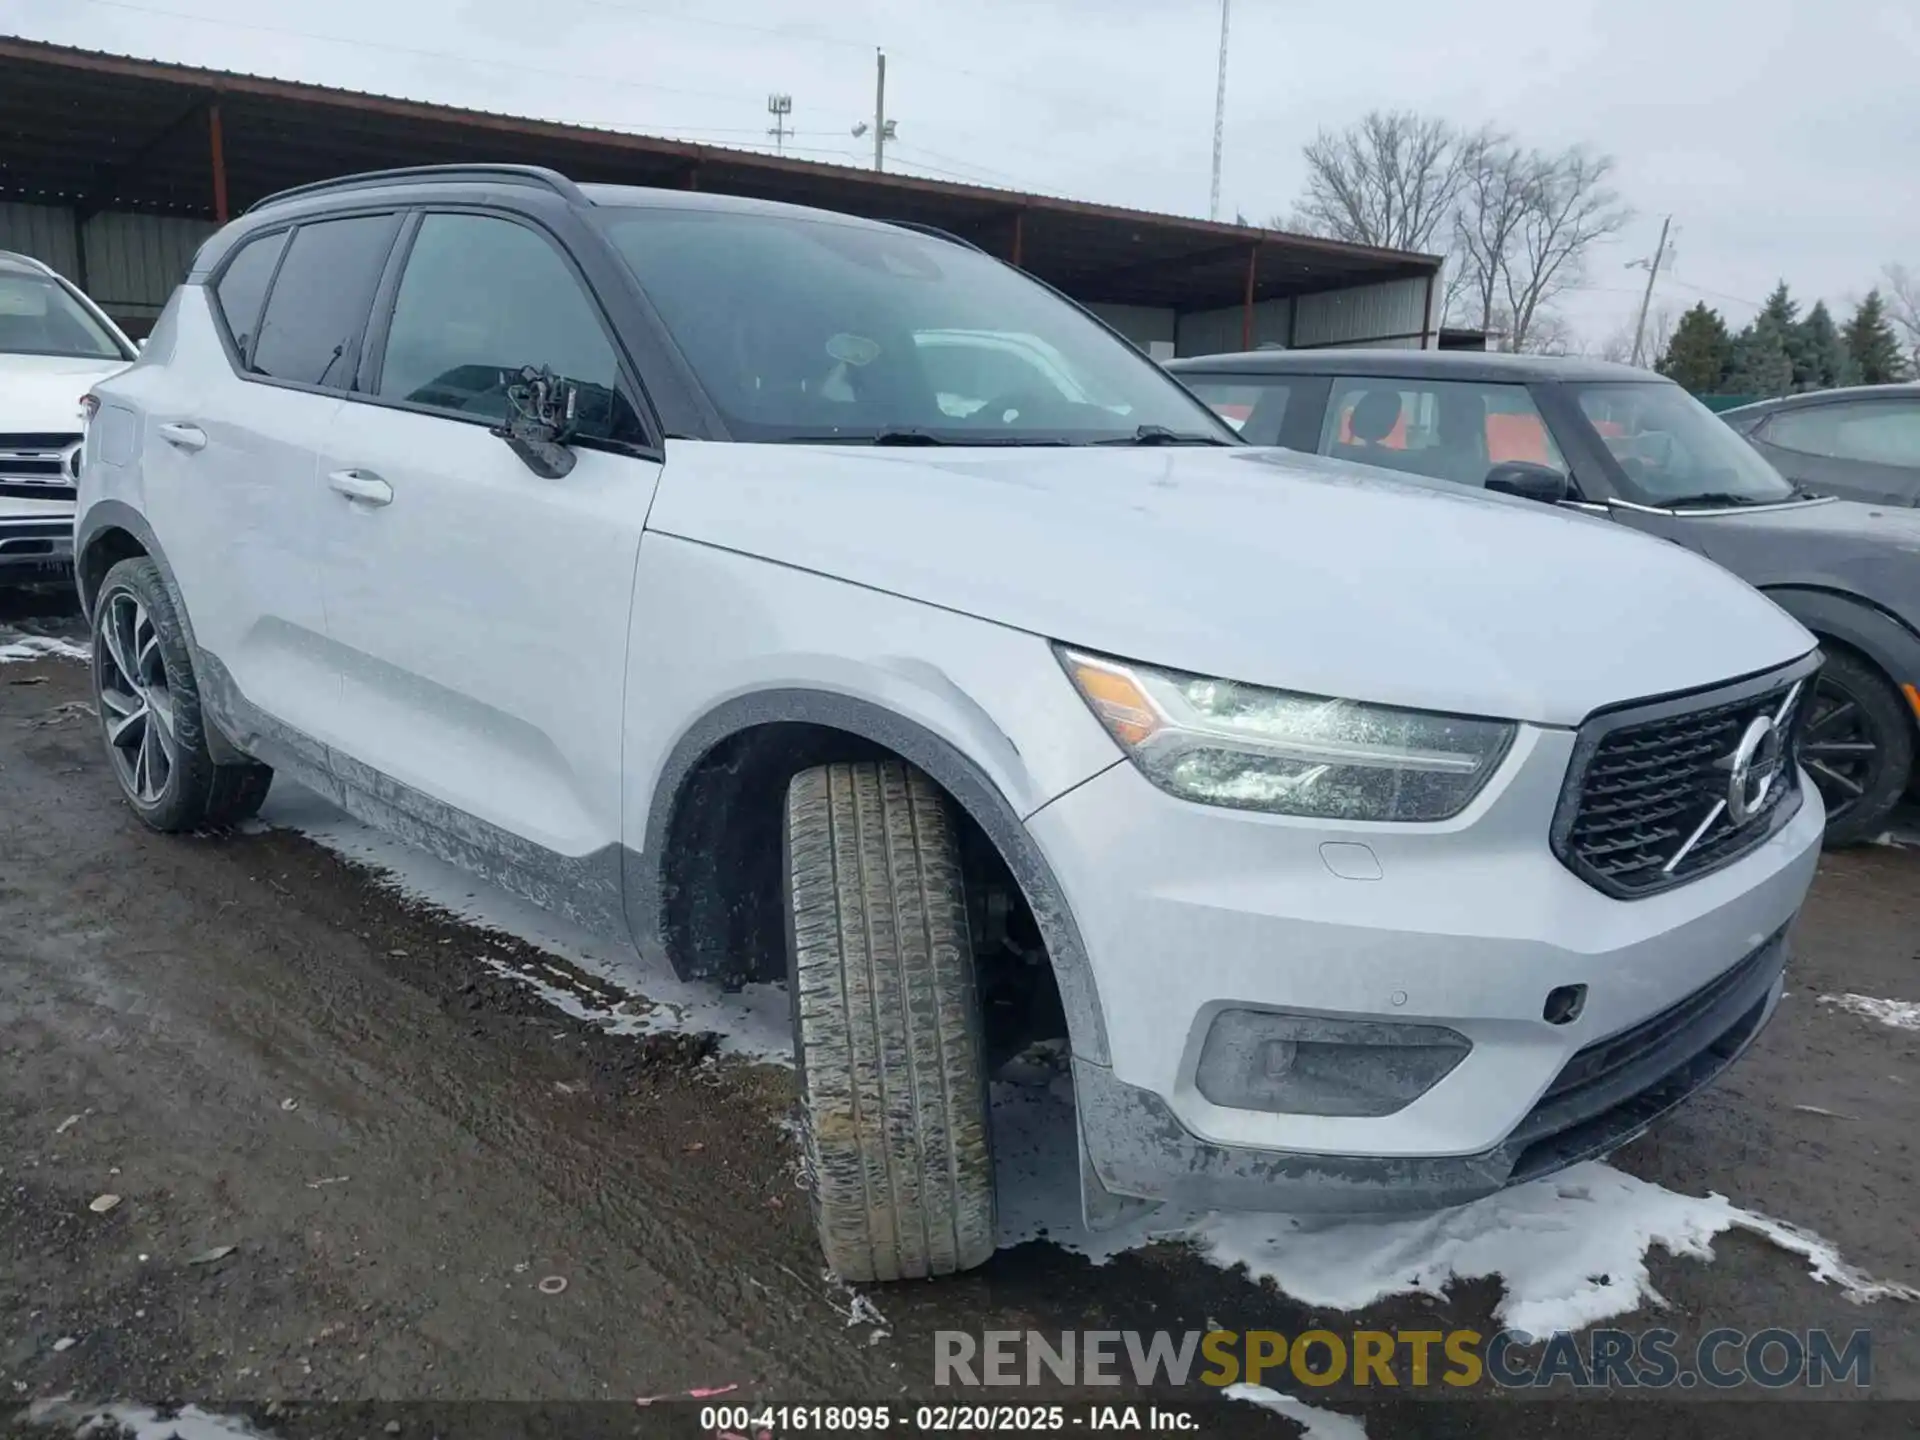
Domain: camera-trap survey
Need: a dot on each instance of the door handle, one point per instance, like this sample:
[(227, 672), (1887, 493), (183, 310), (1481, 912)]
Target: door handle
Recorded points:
[(184, 437), (360, 486)]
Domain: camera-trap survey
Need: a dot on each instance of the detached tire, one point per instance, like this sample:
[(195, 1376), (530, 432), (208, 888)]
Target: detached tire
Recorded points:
[(887, 1025), (150, 713)]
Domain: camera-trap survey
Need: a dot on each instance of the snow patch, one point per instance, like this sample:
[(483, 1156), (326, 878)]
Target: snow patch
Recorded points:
[(24, 648), (1314, 1423), (142, 1422), (621, 992), (1569, 1249), (1900, 1014)]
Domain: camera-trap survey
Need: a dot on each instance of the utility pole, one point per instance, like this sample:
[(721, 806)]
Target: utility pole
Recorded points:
[(1219, 113), (883, 128), (779, 106), (1653, 273)]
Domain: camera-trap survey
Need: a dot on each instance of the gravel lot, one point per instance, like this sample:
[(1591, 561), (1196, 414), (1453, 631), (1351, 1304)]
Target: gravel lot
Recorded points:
[(269, 1050)]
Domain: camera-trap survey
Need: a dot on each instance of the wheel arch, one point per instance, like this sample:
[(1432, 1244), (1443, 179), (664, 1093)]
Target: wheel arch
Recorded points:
[(1853, 621), (671, 884)]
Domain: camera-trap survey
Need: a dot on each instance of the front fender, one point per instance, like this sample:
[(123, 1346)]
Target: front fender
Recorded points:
[(1858, 624)]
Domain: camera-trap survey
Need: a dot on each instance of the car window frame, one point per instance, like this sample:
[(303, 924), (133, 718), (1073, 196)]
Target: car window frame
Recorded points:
[(373, 347), (1308, 393), (242, 365), (1762, 431)]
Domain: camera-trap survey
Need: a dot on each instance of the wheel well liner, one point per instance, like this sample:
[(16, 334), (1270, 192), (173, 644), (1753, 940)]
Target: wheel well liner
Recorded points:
[(679, 911)]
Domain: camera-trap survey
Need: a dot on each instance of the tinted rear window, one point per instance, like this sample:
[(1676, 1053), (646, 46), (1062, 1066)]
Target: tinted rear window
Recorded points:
[(318, 309)]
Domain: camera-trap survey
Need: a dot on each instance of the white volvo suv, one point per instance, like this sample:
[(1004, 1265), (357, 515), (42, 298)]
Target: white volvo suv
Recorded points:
[(1376, 844), (54, 344)]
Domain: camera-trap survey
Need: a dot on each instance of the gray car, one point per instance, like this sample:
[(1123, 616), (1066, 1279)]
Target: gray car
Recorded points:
[(1860, 443), (1624, 443)]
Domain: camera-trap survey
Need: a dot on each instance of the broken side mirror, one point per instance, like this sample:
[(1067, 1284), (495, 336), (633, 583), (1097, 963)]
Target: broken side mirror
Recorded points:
[(542, 412), (1529, 481)]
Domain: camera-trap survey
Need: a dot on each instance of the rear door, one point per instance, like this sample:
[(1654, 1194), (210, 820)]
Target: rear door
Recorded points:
[(480, 611), (1861, 449), (233, 425)]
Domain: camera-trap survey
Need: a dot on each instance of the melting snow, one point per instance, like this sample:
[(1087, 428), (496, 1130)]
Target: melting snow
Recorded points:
[(622, 992), (140, 1421), (1569, 1249), (1315, 1423), (23, 648), (1901, 1014)]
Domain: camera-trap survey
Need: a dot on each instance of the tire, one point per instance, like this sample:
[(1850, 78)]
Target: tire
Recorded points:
[(150, 715), (887, 1025), (1855, 705)]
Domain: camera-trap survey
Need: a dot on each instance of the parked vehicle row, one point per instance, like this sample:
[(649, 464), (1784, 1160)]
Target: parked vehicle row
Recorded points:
[(757, 583), (1616, 442), (54, 344), (1860, 443)]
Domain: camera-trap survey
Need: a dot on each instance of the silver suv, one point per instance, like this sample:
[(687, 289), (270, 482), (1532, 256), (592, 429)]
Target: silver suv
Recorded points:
[(800, 594)]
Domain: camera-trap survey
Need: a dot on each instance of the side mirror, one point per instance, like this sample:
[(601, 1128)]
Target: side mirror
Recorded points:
[(542, 410), (1529, 481)]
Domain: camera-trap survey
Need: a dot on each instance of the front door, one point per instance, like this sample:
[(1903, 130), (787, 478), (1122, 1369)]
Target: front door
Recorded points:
[(479, 611)]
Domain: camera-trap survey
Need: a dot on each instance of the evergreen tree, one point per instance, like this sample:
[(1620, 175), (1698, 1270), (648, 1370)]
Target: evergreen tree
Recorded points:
[(1761, 365), (1827, 352), (1699, 353), (1782, 313), (1871, 343)]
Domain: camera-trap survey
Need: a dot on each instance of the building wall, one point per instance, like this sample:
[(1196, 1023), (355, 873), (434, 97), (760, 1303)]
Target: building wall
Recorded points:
[(130, 263), (1219, 332), (1145, 325), (1393, 311)]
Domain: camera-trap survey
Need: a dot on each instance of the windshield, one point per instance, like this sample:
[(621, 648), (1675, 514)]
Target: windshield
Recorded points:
[(1672, 450), (39, 316), (810, 329)]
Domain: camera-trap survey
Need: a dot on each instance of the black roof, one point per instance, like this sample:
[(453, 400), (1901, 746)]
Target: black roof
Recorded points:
[(1905, 390), (1412, 364)]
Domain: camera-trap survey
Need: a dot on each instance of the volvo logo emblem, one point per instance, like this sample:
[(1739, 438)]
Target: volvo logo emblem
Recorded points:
[(1752, 769)]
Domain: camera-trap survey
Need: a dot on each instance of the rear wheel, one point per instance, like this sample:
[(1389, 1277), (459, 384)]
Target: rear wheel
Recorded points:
[(1857, 744), (887, 1024), (150, 714)]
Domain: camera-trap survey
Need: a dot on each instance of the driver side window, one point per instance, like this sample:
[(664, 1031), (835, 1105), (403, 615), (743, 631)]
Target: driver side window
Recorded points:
[(483, 297)]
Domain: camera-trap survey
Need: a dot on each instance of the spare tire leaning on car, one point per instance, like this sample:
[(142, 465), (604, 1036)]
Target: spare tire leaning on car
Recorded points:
[(887, 1024)]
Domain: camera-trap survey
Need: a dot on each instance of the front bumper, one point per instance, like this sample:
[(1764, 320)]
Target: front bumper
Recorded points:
[(36, 550), (1187, 910)]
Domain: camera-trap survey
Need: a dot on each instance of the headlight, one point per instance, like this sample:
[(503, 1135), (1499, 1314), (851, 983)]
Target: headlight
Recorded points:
[(1223, 743)]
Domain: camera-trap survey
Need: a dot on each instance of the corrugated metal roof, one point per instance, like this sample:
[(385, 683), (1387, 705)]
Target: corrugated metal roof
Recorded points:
[(106, 131)]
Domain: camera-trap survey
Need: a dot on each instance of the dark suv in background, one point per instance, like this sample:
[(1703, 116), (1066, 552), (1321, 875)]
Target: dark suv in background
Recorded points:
[(1623, 443), (1861, 443)]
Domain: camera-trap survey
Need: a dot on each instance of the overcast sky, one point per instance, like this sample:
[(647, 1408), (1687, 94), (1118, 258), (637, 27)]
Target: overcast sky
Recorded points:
[(1783, 135)]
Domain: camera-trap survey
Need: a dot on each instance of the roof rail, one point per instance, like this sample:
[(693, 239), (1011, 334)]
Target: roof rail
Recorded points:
[(935, 231), (432, 174)]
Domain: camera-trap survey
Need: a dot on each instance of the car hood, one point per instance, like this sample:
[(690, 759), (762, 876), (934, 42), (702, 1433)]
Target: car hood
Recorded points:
[(40, 394), (1868, 550), (1260, 565)]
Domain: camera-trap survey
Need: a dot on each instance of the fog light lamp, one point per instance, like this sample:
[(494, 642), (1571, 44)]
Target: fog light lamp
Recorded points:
[(1306, 1065)]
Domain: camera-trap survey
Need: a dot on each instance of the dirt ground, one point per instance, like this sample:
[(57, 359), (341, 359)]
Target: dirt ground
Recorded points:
[(392, 1148)]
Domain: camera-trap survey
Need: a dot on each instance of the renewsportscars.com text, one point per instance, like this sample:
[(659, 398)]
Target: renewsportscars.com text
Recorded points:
[(1653, 1359)]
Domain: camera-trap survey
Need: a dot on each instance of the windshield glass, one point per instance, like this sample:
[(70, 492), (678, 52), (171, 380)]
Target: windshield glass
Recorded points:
[(39, 317), (1672, 450), (810, 329)]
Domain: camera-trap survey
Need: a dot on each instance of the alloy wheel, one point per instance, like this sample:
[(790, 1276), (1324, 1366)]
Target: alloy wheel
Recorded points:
[(136, 703), (1839, 747)]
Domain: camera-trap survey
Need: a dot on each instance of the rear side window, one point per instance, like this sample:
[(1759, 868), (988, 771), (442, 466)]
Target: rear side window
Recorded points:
[(1448, 429), (1876, 432), (243, 286), (480, 299), (1256, 408), (317, 312)]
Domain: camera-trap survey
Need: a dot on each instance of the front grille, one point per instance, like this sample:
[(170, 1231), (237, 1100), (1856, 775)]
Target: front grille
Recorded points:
[(1616, 1087), (34, 465), (1646, 804)]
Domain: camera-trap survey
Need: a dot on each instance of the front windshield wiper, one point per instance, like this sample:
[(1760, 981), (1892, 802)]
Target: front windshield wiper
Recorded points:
[(1161, 435), (1714, 500)]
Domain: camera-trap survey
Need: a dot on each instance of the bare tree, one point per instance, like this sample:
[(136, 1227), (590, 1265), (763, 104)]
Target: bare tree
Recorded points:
[(1570, 207), (1901, 288), (1494, 199), (1618, 345), (1391, 180)]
